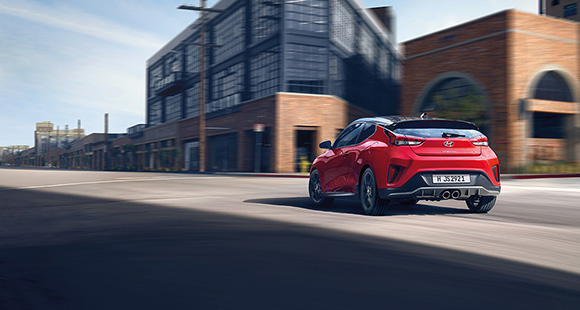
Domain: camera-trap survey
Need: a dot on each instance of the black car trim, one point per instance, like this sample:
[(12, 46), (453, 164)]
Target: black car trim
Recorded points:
[(337, 194), (421, 186)]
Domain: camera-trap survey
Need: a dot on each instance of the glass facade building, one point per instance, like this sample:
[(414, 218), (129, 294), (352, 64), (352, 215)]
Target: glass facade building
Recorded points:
[(330, 47)]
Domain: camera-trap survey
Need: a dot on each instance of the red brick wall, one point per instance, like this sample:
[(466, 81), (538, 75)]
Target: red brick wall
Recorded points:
[(326, 114), (477, 49), (538, 43), (503, 52), (260, 111), (283, 113)]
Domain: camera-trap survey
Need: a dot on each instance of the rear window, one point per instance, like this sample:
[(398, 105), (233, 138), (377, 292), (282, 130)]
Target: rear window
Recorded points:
[(436, 129)]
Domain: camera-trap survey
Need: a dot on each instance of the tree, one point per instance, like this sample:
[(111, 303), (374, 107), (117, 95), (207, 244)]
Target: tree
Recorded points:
[(470, 107)]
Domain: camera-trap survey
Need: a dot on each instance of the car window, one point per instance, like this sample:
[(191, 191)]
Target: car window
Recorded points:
[(367, 131), (348, 136)]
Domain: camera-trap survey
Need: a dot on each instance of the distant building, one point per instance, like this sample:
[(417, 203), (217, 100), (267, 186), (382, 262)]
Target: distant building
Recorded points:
[(560, 8), (303, 69), (46, 137), (514, 74), (12, 150)]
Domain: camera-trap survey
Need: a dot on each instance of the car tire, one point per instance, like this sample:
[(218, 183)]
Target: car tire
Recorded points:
[(370, 201), (480, 204), (315, 191)]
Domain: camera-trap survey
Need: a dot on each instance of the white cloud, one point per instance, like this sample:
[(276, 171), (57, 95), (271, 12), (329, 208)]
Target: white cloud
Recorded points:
[(73, 20), (79, 68)]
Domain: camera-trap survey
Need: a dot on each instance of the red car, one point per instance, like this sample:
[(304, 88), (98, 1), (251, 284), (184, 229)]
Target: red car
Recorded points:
[(396, 159)]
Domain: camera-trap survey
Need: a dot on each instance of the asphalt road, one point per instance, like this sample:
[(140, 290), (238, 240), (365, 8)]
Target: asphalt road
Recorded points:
[(118, 240)]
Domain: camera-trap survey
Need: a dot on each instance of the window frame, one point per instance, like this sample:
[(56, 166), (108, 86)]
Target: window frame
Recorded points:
[(342, 135), (570, 8), (362, 137)]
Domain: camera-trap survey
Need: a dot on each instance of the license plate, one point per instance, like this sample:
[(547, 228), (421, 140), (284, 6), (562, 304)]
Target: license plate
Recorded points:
[(451, 178)]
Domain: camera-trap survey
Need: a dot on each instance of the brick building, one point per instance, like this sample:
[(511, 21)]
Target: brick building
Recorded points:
[(514, 74), (303, 69), (299, 70), (560, 8), (46, 137)]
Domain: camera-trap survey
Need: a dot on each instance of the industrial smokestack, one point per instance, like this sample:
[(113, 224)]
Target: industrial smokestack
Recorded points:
[(106, 124)]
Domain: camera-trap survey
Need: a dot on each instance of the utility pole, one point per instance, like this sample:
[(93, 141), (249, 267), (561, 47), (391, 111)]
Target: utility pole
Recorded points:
[(57, 142), (202, 10)]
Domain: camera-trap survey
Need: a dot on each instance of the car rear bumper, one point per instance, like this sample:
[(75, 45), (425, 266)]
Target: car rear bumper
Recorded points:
[(421, 186)]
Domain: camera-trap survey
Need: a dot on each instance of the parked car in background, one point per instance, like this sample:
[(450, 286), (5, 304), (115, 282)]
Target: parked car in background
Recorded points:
[(397, 159)]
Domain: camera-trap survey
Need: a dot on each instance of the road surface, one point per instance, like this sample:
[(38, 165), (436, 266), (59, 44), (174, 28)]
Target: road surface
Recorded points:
[(121, 240)]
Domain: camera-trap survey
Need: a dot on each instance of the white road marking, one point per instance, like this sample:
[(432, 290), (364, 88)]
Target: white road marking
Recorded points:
[(541, 189)]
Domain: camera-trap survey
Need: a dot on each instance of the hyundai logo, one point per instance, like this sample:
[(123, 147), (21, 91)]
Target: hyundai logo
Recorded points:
[(448, 143)]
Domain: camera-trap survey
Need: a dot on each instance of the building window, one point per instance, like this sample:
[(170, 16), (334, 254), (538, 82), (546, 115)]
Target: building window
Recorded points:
[(342, 25), (192, 58), (570, 9), (265, 73), (191, 156), (307, 15), (367, 46), (192, 101), (553, 87), (223, 152), (458, 98), (173, 108), (229, 33), (155, 112), (548, 125), (384, 63), (265, 19), (155, 75), (228, 82), (227, 87), (172, 63), (337, 76), (555, 2), (307, 68)]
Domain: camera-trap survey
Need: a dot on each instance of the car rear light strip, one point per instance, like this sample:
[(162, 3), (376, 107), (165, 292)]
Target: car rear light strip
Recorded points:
[(480, 141)]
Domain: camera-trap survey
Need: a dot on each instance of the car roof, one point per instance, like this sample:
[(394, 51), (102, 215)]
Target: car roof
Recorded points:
[(393, 121)]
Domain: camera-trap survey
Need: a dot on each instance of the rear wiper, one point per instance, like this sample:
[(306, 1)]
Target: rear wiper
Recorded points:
[(451, 135)]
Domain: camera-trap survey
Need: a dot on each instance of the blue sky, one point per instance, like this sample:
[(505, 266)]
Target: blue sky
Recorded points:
[(61, 61)]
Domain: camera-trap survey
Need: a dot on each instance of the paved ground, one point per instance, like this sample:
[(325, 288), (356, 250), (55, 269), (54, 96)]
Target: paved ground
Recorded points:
[(106, 240)]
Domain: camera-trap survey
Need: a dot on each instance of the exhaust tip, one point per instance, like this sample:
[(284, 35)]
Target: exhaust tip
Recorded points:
[(445, 194), (456, 193)]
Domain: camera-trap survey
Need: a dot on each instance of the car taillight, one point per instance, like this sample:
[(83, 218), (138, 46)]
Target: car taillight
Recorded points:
[(495, 170), (403, 140), (479, 141), (407, 140)]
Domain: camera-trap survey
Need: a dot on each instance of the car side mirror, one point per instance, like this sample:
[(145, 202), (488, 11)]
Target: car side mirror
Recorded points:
[(325, 144)]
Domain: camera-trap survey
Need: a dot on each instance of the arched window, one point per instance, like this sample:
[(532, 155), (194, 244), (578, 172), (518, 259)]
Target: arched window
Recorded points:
[(457, 98), (552, 87)]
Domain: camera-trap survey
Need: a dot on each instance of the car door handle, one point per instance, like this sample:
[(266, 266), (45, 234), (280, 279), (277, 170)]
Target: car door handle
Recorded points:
[(344, 154)]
